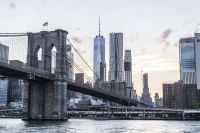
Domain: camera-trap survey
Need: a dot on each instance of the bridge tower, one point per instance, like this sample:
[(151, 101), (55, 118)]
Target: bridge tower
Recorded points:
[(46, 100)]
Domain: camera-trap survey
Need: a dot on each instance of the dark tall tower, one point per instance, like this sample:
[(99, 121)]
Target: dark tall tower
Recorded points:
[(146, 96)]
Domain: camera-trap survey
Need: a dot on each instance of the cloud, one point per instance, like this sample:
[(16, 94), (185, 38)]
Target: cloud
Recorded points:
[(163, 38), (176, 45), (77, 40), (12, 5)]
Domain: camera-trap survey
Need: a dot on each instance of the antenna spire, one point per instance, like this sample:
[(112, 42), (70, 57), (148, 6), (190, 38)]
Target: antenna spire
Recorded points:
[(99, 25)]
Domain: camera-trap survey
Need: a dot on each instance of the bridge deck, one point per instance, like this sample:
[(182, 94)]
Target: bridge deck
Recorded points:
[(19, 70), (102, 94)]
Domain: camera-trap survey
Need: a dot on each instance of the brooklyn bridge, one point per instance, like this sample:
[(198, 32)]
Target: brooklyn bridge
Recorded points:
[(45, 92)]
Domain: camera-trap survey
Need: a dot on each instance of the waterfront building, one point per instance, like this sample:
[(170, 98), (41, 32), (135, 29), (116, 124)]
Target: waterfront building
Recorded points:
[(116, 57), (4, 52), (180, 95), (99, 64), (187, 60), (168, 101), (146, 96)]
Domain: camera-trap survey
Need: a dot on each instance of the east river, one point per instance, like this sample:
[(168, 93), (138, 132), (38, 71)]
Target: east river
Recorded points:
[(99, 126)]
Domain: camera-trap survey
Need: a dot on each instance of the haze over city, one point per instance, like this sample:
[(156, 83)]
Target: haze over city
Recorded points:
[(151, 29)]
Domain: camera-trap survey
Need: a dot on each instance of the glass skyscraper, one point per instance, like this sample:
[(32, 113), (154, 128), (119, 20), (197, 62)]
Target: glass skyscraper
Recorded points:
[(99, 65), (187, 60)]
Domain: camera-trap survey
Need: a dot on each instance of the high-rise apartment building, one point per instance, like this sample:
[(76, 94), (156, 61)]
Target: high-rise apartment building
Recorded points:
[(4, 51), (116, 57), (187, 60), (146, 96), (180, 95), (99, 64)]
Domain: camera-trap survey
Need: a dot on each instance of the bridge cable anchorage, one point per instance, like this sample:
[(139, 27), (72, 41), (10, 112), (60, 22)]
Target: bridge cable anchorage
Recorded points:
[(83, 59)]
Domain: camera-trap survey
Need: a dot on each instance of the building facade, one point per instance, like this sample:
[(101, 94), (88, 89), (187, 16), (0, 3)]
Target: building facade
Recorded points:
[(4, 52), (99, 64), (116, 57), (187, 60), (180, 95), (146, 96)]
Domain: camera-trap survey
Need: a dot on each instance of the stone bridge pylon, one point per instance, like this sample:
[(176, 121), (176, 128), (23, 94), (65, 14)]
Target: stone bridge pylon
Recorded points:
[(46, 99)]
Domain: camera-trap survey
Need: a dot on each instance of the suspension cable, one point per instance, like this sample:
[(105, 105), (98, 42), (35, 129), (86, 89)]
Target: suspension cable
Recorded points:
[(83, 59)]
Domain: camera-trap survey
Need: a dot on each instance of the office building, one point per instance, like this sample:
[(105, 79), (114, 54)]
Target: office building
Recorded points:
[(99, 64), (146, 96), (4, 52), (187, 60), (116, 57), (190, 60)]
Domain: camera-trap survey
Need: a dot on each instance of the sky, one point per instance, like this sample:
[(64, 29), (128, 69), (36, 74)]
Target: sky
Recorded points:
[(151, 28)]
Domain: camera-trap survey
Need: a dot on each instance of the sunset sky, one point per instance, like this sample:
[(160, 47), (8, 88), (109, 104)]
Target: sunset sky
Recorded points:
[(151, 29)]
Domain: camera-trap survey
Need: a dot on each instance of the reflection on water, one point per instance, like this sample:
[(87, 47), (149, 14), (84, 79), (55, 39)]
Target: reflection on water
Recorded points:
[(93, 126)]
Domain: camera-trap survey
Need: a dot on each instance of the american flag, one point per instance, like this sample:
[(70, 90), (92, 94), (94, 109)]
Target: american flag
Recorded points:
[(45, 24)]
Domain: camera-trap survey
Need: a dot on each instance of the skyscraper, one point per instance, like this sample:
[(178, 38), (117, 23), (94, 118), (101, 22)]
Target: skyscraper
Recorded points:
[(187, 60), (128, 68), (99, 65), (128, 73), (146, 97), (116, 57)]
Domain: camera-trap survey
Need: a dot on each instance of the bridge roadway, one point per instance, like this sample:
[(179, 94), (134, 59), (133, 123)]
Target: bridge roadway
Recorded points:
[(24, 71)]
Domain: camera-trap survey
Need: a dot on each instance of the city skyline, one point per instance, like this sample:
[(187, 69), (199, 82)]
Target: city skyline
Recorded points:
[(152, 38)]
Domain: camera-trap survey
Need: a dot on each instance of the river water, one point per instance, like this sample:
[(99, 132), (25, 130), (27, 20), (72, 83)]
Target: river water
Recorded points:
[(99, 126)]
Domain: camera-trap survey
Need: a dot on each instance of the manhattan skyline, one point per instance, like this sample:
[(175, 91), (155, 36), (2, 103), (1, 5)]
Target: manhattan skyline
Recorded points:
[(150, 30)]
